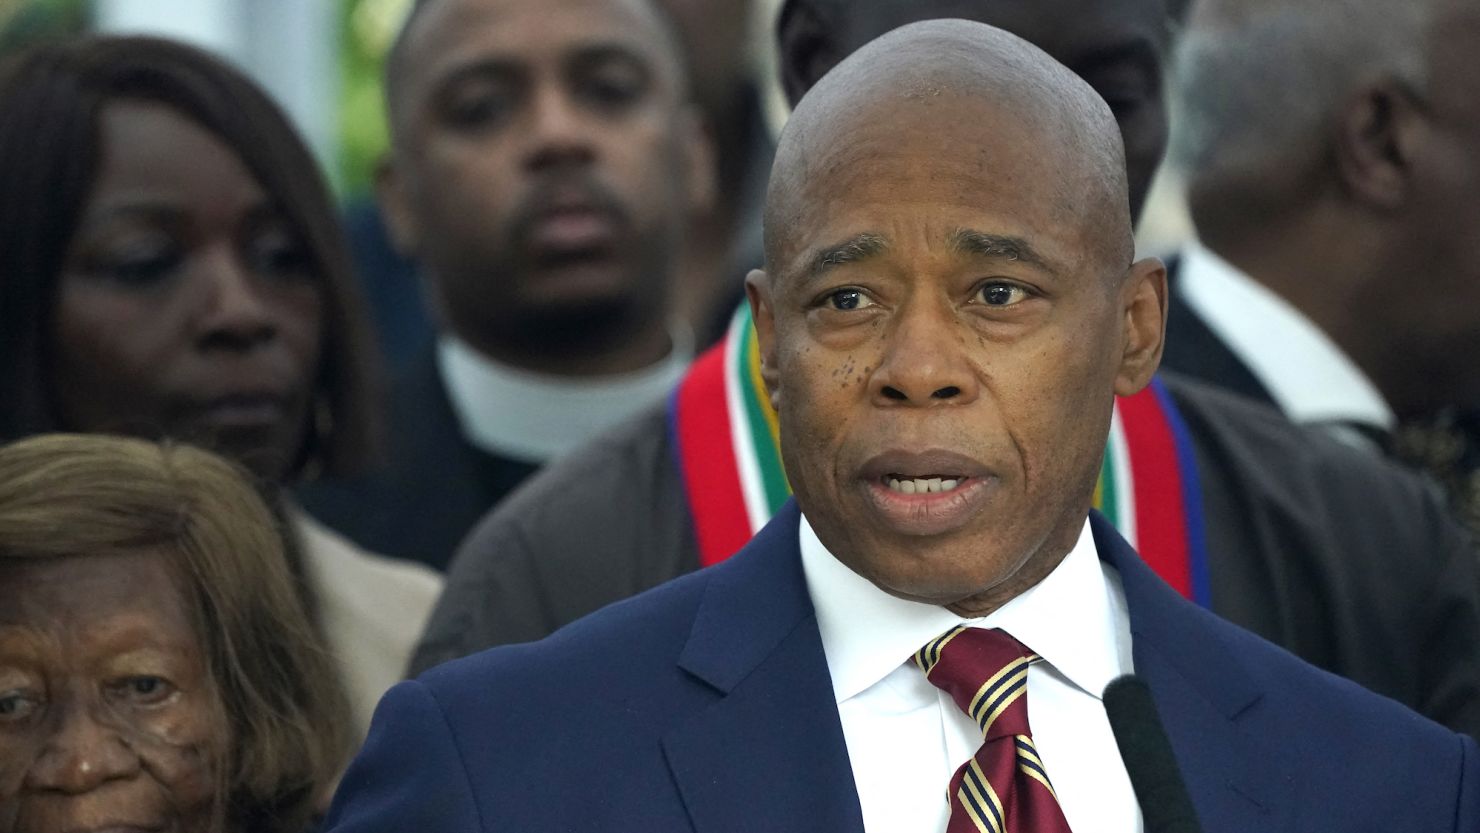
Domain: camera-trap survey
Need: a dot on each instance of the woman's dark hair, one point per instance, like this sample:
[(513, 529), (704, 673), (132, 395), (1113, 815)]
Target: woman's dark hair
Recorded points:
[(51, 100)]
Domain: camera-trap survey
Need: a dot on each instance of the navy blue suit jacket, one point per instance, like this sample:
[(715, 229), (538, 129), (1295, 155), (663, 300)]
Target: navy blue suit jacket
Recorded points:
[(706, 705)]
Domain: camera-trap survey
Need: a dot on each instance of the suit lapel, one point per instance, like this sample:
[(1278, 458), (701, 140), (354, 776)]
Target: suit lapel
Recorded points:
[(1240, 777), (769, 753)]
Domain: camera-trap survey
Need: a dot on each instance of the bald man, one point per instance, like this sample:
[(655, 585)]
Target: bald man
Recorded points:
[(1293, 535), (943, 335)]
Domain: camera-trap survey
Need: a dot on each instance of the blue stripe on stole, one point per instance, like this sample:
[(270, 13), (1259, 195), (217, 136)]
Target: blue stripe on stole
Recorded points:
[(1192, 508)]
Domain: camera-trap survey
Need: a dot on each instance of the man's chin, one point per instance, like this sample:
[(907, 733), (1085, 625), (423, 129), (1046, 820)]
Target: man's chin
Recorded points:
[(961, 566), (574, 313), (943, 583), (578, 282)]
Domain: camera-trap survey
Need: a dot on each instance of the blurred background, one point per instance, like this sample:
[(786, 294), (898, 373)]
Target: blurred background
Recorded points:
[(322, 60)]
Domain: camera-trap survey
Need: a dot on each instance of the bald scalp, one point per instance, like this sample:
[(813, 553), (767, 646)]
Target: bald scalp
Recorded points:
[(961, 85)]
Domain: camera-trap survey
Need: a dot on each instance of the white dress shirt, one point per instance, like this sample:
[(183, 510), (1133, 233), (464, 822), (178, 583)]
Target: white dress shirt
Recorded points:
[(906, 738), (1310, 378), (535, 417)]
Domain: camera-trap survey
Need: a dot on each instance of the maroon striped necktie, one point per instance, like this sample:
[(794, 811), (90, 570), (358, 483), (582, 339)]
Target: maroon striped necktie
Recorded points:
[(1003, 788)]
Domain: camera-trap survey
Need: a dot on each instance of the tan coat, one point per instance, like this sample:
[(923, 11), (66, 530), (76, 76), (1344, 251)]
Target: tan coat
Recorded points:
[(373, 610)]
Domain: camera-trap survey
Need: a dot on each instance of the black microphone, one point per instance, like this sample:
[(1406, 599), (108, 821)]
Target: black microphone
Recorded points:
[(1165, 805)]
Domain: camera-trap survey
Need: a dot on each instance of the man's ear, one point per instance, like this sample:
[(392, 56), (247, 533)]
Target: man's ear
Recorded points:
[(758, 291), (395, 207), (1143, 300), (700, 161), (1378, 134), (806, 48)]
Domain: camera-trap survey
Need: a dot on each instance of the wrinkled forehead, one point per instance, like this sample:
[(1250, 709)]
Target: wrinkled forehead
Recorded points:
[(930, 156), (92, 593)]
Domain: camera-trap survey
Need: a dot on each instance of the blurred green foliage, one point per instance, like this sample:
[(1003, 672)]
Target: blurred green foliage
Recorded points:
[(23, 22), (368, 29)]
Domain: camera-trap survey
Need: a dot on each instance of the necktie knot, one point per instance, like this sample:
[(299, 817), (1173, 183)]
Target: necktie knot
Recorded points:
[(986, 673), (1004, 788)]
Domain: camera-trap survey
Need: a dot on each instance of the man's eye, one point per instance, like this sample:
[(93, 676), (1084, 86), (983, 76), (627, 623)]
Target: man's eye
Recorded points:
[(999, 294), (848, 299), (613, 90), (476, 108)]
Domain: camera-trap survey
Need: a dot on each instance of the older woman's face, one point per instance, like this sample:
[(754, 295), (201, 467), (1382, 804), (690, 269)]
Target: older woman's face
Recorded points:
[(188, 306), (109, 719)]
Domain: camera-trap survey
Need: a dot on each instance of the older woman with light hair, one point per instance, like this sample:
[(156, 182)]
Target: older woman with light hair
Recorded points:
[(171, 266), (158, 670)]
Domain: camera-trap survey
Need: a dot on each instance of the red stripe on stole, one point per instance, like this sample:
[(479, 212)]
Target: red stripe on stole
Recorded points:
[(1161, 523), (711, 477)]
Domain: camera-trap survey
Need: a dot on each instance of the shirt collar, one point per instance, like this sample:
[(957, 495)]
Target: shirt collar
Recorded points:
[(511, 412), (1074, 618), (1309, 377)]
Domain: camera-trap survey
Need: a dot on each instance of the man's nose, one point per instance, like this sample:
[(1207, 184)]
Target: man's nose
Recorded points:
[(925, 359), (82, 755), (234, 312), (560, 133)]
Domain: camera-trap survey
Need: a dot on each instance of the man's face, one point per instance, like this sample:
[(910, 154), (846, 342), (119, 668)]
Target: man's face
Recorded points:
[(545, 159), (1116, 45), (943, 333)]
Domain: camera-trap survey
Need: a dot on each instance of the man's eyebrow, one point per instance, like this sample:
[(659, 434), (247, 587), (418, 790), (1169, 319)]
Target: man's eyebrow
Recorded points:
[(613, 50), (857, 248), (486, 67), (1000, 246)]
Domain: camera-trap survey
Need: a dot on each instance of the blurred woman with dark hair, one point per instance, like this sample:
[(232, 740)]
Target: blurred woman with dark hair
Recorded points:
[(157, 669), (171, 266)]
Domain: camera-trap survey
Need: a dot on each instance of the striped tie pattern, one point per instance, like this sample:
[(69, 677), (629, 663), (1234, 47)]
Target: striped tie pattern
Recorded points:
[(1003, 788)]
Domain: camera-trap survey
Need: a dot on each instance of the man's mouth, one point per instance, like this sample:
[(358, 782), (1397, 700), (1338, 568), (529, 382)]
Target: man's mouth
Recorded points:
[(921, 484), (573, 230)]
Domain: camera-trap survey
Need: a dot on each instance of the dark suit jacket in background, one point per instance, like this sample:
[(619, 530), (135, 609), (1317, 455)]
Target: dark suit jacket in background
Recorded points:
[(706, 705), (1445, 446), (432, 486), (1341, 557)]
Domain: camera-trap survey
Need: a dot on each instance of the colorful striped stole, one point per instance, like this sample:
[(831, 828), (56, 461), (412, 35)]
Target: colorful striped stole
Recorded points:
[(724, 432)]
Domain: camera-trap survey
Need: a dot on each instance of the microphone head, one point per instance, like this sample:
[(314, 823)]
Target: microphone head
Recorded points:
[(1147, 753)]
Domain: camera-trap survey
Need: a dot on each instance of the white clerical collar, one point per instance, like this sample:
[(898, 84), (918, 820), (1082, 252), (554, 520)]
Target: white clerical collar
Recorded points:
[(1075, 618), (509, 412), (1309, 377)]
